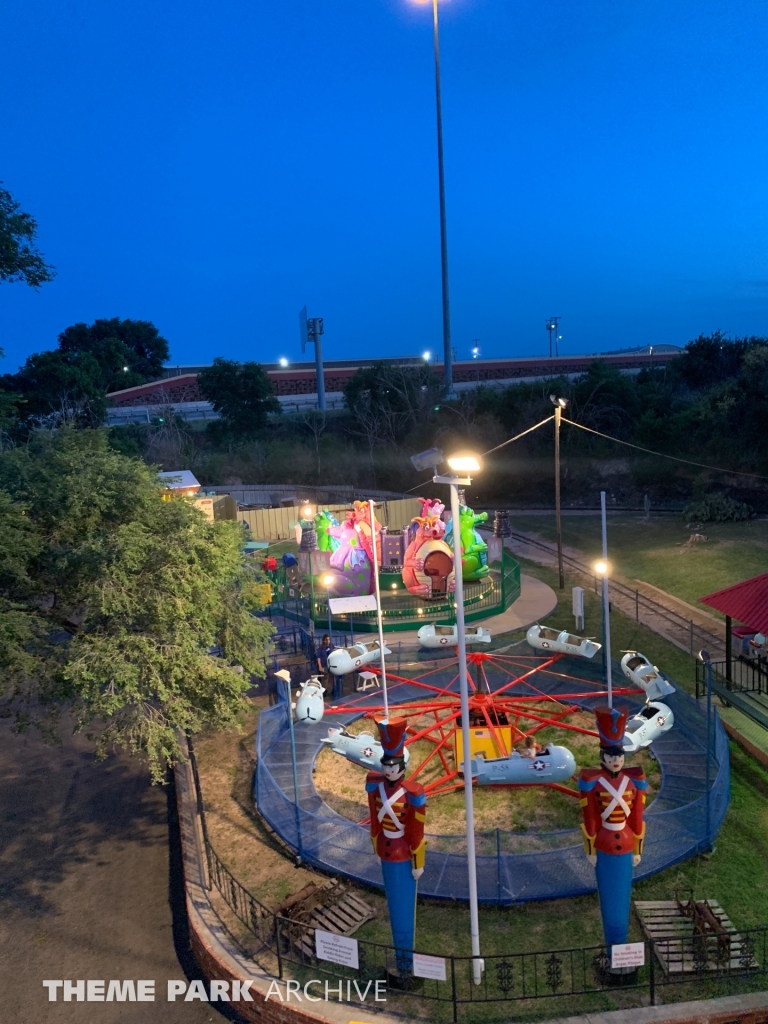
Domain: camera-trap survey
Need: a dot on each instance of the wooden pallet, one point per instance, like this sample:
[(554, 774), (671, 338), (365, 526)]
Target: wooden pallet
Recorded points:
[(676, 946), (342, 917)]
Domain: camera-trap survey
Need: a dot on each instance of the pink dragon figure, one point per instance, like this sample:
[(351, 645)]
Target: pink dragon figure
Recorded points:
[(428, 562), (351, 567)]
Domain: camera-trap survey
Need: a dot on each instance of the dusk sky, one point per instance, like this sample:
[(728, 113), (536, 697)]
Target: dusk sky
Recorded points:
[(214, 166)]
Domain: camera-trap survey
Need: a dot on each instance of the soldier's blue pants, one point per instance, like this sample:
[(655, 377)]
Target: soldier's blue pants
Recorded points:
[(614, 886), (400, 886)]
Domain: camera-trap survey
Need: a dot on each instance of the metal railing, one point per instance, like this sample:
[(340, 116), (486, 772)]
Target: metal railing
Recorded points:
[(714, 964), (682, 631)]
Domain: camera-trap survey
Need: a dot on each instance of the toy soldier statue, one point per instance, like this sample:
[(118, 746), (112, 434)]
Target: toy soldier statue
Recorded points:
[(612, 799), (398, 810)]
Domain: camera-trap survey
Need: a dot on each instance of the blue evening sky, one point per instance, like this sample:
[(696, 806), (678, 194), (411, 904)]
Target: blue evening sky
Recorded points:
[(212, 166)]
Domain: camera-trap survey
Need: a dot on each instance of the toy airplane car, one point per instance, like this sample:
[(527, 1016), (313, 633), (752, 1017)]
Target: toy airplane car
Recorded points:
[(553, 764), (448, 636), (543, 638), (309, 705), (363, 749), (646, 726), (350, 659), (636, 667)]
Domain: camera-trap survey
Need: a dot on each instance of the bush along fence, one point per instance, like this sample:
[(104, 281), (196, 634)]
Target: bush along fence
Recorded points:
[(684, 633), (440, 987)]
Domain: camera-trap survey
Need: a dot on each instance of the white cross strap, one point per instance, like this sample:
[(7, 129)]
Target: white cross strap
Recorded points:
[(387, 810), (617, 800)]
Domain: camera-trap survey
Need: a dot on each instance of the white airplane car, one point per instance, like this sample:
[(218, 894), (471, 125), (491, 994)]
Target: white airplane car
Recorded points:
[(636, 667), (448, 636), (362, 749), (646, 726), (543, 638), (553, 764), (350, 659), (309, 705)]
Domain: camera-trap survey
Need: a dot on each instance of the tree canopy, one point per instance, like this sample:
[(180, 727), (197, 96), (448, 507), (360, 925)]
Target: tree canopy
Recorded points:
[(115, 344), (111, 599), (241, 393), (19, 259)]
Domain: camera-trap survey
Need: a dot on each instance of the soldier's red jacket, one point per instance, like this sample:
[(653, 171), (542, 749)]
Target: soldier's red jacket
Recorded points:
[(398, 811), (612, 810)]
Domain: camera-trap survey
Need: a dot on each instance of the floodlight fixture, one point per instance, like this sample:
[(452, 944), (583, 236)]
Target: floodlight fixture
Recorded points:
[(602, 568), (560, 402), (705, 656), (306, 511), (464, 462), (430, 459), (328, 580)]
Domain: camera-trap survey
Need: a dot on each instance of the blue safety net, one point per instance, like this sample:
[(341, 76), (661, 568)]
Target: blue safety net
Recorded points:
[(511, 866)]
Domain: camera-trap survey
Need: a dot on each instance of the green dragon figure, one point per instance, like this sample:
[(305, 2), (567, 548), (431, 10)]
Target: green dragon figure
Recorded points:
[(474, 550), (323, 522)]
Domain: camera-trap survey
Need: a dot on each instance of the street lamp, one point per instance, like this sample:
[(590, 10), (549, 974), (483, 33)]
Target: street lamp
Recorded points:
[(559, 404), (603, 569), (426, 356), (447, 349), (461, 464), (283, 362), (553, 326)]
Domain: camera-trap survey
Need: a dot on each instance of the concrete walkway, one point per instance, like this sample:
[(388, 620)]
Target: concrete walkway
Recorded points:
[(90, 886)]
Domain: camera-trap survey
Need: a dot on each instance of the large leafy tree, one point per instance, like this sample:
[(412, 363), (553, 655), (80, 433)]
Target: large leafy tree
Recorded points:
[(398, 398), (111, 599), (241, 393), (115, 344), (49, 382), (19, 259)]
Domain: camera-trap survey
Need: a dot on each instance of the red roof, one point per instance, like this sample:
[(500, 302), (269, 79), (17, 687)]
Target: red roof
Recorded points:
[(746, 602)]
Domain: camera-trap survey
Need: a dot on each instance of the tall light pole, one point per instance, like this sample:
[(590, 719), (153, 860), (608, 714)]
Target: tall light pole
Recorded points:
[(461, 465), (602, 569), (447, 349), (553, 326), (559, 404)]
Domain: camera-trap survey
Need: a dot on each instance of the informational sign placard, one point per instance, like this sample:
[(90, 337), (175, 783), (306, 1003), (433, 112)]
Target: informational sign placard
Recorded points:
[(336, 948), (628, 954), (345, 605), (429, 967)]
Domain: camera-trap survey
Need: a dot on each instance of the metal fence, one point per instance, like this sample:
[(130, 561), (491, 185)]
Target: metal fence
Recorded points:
[(534, 981), (682, 631)]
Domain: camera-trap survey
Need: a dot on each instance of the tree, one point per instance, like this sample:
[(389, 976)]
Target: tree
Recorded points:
[(112, 598), (48, 379), (400, 396), (19, 259), (241, 393), (115, 344)]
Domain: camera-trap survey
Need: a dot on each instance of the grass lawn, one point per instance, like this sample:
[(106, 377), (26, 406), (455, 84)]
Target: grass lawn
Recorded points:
[(656, 551)]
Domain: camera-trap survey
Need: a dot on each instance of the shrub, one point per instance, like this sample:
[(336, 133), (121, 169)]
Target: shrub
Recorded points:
[(717, 508)]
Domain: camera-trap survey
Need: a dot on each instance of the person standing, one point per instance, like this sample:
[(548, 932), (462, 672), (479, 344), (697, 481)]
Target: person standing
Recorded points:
[(323, 651), (612, 801)]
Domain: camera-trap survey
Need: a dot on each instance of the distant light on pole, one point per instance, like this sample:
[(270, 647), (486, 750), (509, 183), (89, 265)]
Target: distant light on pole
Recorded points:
[(283, 362), (601, 568), (426, 356), (125, 369)]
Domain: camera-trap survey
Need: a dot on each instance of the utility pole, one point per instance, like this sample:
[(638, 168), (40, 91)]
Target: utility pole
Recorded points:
[(310, 333), (559, 404), (553, 328)]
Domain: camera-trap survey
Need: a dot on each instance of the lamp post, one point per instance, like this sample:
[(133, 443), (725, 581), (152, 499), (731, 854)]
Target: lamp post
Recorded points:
[(602, 569), (285, 676), (447, 349), (461, 465), (559, 404)]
